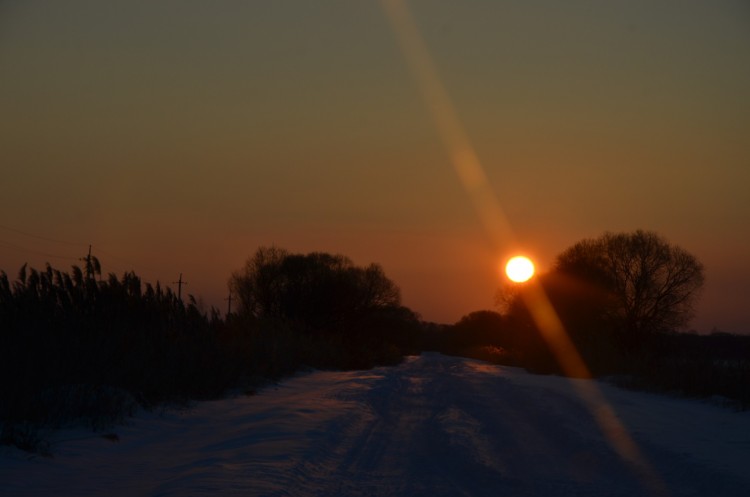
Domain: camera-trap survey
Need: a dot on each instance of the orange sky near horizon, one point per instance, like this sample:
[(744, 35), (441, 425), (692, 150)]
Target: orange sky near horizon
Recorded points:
[(179, 136)]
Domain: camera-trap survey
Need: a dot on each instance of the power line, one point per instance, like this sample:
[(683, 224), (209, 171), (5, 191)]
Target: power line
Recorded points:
[(36, 252), (47, 239), (122, 268), (117, 258), (89, 259)]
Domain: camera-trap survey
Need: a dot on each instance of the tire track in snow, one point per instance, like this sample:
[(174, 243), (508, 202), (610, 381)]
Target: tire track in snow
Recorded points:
[(408, 436), (442, 426)]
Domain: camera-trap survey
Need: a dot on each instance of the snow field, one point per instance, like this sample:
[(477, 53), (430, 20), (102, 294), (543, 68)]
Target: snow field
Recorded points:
[(432, 426)]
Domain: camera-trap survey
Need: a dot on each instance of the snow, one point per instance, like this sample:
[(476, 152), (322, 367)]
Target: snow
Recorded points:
[(433, 425)]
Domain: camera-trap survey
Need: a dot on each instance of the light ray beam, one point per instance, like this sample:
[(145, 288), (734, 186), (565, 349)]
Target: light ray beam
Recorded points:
[(474, 180), (462, 155)]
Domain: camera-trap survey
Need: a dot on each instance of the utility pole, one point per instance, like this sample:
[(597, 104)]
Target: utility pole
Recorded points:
[(179, 284), (229, 304)]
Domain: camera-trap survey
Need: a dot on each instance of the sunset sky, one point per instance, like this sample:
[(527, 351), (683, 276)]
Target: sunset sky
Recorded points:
[(179, 136)]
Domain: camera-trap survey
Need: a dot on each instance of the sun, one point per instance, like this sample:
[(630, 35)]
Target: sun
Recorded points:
[(519, 269)]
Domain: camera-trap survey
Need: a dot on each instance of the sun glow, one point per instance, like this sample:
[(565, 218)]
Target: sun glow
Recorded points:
[(519, 269)]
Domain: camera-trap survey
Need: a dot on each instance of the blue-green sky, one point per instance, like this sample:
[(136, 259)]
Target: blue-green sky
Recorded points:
[(178, 136)]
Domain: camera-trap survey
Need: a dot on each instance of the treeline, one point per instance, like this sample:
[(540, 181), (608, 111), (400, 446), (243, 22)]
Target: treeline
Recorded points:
[(689, 364), (77, 348), (619, 299)]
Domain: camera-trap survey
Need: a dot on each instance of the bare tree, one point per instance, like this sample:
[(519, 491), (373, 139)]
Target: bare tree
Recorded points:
[(653, 284)]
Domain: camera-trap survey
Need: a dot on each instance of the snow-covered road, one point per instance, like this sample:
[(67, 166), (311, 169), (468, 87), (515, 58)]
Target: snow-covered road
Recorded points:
[(432, 426)]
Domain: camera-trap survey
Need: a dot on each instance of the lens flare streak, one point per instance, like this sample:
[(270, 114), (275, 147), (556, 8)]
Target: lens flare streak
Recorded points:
[(463, 157), (474, 180)]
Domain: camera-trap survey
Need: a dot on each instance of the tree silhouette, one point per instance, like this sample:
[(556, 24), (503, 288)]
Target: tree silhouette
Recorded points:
[(652, 285), (617, 296), (321, 291)]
